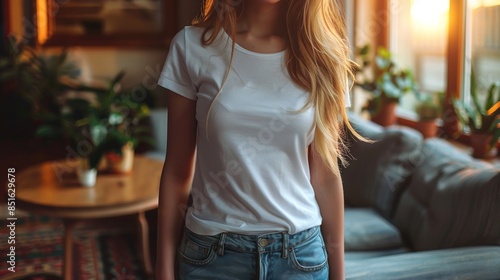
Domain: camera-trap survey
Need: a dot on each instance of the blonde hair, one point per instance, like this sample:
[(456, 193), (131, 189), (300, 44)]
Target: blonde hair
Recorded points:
[(317, 59)]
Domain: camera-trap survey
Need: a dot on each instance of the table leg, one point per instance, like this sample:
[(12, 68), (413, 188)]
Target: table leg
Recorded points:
[(144, 242), (69, 225)]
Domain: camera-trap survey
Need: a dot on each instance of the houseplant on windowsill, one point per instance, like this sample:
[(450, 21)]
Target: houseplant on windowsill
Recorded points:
[(428, 112), (385, 82), (483, 120), (429, 109)]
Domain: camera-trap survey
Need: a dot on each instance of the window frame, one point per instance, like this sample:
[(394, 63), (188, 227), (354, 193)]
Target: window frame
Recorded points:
[(455, 63)]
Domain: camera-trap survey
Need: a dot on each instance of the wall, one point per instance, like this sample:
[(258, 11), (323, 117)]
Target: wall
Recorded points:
[(141, 65), (367, 26)]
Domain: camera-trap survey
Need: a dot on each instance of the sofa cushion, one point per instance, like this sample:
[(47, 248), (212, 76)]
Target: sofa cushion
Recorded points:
[(366, 230), (458, 263), (356, 256), (377, 171), (452, 200)]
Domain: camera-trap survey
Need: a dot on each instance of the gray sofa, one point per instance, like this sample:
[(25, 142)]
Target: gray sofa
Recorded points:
[(418, 209)]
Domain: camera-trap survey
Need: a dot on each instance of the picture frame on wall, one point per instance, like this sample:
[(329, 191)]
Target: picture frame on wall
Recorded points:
[(118, 23)]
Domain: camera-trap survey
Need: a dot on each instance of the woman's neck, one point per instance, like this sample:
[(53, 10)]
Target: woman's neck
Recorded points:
[(260, 19)]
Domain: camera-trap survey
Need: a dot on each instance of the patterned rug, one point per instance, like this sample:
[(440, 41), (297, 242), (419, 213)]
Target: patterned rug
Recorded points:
[(98, 254)]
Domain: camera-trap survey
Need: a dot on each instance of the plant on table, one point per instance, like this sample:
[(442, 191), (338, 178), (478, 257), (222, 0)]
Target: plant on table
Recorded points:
[(124, 115), (109, 125)]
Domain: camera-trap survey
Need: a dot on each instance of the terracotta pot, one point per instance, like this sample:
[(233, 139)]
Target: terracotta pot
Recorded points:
[(427, 128), (480, 143), (120, 164), (387, 114)]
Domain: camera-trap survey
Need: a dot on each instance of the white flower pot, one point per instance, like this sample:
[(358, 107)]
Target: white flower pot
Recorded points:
[(87, 177)]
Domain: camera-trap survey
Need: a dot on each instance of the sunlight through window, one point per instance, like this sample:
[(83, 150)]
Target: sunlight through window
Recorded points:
[(430, 13)]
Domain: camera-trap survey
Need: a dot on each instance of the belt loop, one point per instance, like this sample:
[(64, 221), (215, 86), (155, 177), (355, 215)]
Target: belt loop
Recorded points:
[(285, 241), (220, 245)]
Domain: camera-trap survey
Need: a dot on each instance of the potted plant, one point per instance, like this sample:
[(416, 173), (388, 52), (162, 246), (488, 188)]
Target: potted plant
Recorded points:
[(107, 125), (32, 83), (122, 115), (428, 111), (483, 120), (80, 126), (386, 83)]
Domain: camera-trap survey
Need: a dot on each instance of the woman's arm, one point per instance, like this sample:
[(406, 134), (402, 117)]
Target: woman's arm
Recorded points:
[(175, 181), (330, 196)]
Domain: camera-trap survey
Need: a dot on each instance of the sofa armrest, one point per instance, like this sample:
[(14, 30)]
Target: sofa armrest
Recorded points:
[(458, 264), (377, 172)]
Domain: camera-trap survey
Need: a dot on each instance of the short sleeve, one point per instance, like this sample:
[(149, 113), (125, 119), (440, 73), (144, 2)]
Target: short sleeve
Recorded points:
[(175, 74)]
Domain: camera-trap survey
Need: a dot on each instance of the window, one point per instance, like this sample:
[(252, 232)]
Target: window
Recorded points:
[(418, 41), (482, 52), (440, 41)]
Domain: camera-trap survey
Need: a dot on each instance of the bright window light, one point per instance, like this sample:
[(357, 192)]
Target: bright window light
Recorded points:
[(483, 3), (430, 13)]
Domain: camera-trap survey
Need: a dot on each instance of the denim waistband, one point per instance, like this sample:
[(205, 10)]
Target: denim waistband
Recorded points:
[(272, 242)]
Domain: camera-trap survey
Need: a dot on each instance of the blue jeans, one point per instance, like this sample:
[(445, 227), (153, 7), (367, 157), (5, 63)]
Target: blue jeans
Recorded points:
[(273, 256)]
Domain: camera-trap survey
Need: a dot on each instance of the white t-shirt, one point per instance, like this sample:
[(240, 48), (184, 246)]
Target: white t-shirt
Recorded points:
[(252, 173)]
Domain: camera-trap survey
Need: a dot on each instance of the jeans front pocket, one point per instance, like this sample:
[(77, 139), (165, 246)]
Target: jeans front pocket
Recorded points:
[(195, 250), (310, 255)]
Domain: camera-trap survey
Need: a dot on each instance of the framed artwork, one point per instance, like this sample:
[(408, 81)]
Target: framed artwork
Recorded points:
[(119, 23)]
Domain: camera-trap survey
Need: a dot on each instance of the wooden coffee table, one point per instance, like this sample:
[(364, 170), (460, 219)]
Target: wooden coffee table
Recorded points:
[(52, 189)]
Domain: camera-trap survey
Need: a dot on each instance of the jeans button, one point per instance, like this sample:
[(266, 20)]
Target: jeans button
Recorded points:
[(263, 242)]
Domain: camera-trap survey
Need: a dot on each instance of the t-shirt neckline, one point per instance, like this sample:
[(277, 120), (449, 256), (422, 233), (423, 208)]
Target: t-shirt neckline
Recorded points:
[(247, 51)]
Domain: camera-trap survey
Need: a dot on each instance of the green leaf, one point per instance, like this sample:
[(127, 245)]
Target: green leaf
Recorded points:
[(388, 87), (460, 111), (117, 79), (144, 111), (382, 63), (364, 50), (115, 118), (405, 81), (98, 133), (490, 101), (384, 53), (473, 93), (48, 131), (498, 98), (495, 129), (60, 59), (474, 117)]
